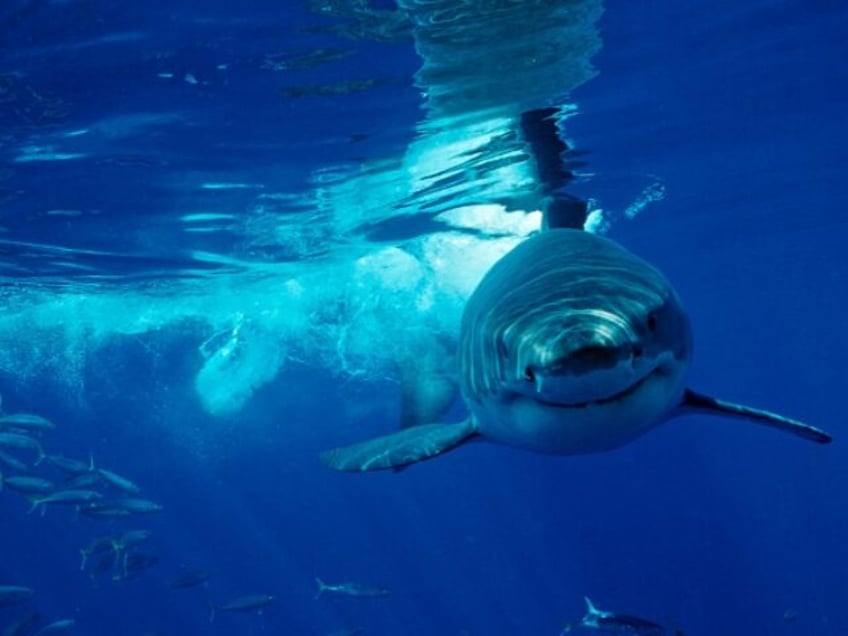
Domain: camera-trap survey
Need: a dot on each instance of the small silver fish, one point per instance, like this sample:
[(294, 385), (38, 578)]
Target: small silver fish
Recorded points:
[(72, 466), (117, 481), (130, 539), (351, 589), (26, 422), (12, 463), (615, 623), (254, 603), (82, 481), (135, 505), (189, 578), (21, 440), (134, 564), (67, 497), (62, 626), (11, 594), (27, 484), (104, 510), (97, 546)]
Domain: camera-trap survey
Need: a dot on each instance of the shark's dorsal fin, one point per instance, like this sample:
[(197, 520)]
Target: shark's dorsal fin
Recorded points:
[(694, 402), (564, 211), (547, 148)]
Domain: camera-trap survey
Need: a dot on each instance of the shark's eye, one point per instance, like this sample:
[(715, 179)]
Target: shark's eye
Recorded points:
[(529, 375), (652, 322)]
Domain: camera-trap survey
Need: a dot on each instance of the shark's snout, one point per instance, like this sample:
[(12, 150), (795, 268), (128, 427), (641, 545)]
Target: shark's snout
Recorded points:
[(593, 356), (589, 340)]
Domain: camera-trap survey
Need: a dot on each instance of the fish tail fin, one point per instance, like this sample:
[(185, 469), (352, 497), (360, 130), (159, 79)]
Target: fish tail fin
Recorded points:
[(321, 587), (124, 562), (212, 610), (591, 610), (34, 504), (91, 467), (84, 556), (41, 455)]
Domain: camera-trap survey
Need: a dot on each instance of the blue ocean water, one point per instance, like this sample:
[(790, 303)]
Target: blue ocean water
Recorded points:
[(222, 226)]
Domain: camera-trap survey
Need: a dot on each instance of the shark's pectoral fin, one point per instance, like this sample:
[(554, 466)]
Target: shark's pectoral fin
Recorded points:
[(405, 447), (698, 403)]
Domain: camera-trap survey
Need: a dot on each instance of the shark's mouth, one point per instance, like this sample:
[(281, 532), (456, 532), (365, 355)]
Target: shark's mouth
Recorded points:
[(617, 397)]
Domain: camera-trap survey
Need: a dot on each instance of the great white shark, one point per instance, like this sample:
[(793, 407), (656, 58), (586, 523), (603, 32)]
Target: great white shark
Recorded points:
[(570, 344)]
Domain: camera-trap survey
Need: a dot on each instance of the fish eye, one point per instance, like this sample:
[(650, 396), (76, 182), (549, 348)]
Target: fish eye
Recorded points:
[(529, 375)]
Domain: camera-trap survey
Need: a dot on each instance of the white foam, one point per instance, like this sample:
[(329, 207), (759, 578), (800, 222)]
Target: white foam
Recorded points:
[(338, 301), (651, 194)]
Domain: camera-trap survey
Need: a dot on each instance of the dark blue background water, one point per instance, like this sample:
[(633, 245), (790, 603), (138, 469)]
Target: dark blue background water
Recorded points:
[(718, 526)]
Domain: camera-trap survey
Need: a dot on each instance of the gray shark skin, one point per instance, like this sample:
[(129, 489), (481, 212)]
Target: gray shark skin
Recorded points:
[(569, 345)]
